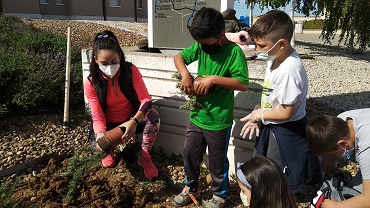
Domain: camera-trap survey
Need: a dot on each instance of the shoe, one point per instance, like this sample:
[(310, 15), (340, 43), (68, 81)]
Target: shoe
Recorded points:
[(215, 202), (150, 171), (184, 197), (109, 161)]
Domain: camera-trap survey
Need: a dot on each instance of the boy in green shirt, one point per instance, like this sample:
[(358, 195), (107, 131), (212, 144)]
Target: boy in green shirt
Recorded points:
[(221, 65)]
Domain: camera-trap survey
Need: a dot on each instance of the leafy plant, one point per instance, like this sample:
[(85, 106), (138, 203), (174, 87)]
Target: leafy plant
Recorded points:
[(6, 195), (350, 17), (32, 69), (80, 164), (194, 102)]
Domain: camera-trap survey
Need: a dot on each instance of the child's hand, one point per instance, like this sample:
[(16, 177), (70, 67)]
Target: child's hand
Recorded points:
[(203, 85), (187, 84), (251, 128), (255, 116)]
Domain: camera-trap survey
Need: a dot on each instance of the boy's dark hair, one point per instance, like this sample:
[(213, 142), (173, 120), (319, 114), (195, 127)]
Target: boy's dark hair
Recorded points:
[(207, 23), (273, 25), (323, 133)]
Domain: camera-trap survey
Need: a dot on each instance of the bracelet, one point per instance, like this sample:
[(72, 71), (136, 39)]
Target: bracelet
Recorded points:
[(135, 119)]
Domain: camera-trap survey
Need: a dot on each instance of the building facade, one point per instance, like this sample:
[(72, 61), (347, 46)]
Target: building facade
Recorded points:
[(122, 10)]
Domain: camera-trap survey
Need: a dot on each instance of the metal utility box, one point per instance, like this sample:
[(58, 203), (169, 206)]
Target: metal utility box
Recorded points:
[(168, 21)]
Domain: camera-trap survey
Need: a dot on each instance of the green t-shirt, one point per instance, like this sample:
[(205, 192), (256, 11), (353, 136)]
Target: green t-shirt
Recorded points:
[(217, 111)]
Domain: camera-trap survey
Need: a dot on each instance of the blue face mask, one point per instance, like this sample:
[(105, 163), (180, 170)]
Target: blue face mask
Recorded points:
[(347, 153), (264, 55)]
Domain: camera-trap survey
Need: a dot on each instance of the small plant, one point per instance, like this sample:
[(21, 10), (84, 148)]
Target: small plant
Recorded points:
[(194, 102), (6, 195), (79, 164)]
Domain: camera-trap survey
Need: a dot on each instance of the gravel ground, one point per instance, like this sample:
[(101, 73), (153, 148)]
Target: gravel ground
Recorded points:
[(336, 80)]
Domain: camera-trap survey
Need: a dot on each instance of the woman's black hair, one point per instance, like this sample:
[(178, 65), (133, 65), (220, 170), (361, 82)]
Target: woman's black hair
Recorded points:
[(105, 40), (269, 187)]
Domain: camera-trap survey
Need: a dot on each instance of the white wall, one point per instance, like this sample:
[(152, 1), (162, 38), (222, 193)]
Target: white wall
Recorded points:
[(157, 71)]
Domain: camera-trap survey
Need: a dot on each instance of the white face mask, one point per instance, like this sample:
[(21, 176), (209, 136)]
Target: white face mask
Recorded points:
[(244, 198), (109, 70), (264, 55)]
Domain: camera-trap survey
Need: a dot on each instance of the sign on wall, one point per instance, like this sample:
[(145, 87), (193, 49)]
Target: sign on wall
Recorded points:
[(168, 20)]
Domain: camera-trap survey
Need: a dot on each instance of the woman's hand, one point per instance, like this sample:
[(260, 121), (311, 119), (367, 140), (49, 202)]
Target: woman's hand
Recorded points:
[(130, 129)]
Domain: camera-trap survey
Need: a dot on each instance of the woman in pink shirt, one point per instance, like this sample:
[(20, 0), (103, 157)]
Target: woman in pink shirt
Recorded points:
[(117, 96)]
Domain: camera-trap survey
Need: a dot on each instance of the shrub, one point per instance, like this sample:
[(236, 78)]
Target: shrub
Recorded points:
[(317, 24), (32, 69)]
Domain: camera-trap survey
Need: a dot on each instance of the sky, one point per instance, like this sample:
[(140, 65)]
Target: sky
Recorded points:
[(242, 10)]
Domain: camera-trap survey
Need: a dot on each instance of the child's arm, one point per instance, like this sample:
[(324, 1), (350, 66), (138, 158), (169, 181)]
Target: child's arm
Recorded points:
[(186, 78), (283, 113), (226, 82), (359, 201)]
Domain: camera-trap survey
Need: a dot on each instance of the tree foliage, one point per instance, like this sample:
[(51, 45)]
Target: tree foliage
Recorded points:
[(348, 17), (352, 17)]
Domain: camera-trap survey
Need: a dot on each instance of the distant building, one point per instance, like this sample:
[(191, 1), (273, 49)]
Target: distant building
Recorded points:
[(123, 10), (298, 18)]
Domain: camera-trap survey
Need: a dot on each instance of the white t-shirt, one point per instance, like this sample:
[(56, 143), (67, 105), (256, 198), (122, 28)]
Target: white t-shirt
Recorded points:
[(288, 85), (361, 125)]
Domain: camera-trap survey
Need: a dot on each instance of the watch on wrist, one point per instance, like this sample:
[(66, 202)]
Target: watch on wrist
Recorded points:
[(135, 120)]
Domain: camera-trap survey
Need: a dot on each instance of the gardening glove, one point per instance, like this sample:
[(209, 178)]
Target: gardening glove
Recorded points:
[(241, 37), (251, 128), (255, 116)]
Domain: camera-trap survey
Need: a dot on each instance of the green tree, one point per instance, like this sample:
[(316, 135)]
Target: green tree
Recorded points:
[(348, 17), (267, 3), (352, 17)]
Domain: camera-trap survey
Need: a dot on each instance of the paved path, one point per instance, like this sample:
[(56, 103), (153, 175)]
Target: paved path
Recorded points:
[(314, 36)]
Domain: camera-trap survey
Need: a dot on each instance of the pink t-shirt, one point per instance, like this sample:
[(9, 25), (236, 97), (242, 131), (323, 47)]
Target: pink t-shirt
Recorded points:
[(118, 107)]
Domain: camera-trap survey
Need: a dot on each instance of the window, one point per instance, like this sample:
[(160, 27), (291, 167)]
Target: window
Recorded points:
[(59, 2), (44, 1), (139, 4), (115, 3)]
